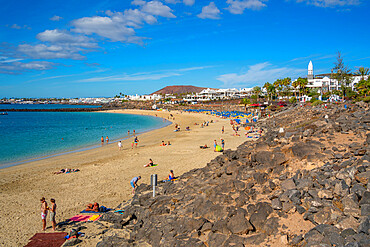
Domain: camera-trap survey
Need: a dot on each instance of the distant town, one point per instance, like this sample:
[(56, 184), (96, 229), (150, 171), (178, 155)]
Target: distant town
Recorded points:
[(331, 86)]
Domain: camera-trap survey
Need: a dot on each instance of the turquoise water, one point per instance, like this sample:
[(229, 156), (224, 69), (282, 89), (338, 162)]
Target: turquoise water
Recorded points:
[(30, 135), (44, 106)]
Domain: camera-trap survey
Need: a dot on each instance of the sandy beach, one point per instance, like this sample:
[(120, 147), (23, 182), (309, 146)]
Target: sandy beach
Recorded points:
[(105, 172)]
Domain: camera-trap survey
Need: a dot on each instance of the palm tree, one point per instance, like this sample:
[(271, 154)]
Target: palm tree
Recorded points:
[(363, 87), (266, 86), (245, 102), (257, 91), (271, 90), (278, 86), (286, 84), (295, 85), (362, 71), (302, 83)]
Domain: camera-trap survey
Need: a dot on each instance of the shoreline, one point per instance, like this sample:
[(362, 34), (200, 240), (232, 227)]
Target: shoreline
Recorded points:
[(104, 172), (81, 149)]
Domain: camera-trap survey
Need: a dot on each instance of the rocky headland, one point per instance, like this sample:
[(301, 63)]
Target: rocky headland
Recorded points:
[(305, 182)]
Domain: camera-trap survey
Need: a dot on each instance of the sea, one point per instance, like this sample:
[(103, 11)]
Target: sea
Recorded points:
[(29, 136)]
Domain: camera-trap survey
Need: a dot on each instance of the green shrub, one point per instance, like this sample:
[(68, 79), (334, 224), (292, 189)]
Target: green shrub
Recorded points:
[(317, 102), (366, 99), (313, 99), (272, 107), (293, 100)]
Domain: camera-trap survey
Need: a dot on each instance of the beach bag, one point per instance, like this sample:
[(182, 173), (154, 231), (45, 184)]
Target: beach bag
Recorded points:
[(73, 233)]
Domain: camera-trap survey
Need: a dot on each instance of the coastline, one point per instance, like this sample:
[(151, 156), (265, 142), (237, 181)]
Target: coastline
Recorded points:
[(105, 172), (80, 149)]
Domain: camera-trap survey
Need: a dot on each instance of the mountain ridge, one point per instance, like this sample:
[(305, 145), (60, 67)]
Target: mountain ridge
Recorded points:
[(180, 89)]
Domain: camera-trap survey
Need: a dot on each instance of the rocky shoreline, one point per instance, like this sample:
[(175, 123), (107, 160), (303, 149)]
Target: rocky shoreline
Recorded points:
[(312, 166)]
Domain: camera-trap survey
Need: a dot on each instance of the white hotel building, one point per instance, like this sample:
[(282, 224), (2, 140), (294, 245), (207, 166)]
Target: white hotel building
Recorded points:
[(326, 82)]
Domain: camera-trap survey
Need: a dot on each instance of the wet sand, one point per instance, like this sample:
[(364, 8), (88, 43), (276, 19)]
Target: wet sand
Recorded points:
[(105, 172)]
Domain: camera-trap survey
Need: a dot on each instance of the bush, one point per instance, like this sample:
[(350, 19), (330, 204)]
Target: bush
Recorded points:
[(272, 107), (313, 99), (317, 102), (293, 100), (366, 99)]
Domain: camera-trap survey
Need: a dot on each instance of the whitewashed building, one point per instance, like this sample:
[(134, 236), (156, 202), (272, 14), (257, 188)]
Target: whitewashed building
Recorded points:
[(326, 82), (144, 97), (214, 94)]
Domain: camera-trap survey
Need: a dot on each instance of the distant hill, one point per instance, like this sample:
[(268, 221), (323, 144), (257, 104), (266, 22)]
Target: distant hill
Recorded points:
[(179, 90)]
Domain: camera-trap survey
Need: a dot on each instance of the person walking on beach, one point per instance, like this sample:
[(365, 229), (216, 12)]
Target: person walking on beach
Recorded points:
[(52, 213), (135, 141), (44, 212), (134, 132), (102, 140), (119, 145), (107, 139), (133, 183), (223, 129), (223, 144)]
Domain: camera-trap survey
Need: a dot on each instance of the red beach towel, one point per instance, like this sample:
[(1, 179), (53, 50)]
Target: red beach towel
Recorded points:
[(54, 239)]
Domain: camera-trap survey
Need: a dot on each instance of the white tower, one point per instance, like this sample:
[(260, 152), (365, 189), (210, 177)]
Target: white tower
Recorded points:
[(310, 71)]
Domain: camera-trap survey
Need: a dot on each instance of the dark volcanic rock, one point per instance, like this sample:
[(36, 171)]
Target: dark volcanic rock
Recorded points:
[(238, 224), (302, 150)]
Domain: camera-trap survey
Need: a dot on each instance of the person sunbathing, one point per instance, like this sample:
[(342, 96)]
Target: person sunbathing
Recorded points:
[(67, 170), (93, 207), (61, 171), (150, 163), (204, 147), (171, 176), (163, 144)]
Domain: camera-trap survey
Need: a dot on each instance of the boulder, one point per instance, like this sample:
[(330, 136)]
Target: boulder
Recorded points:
[(258, 218), (216, 239), (302, 150), (365, 198), (364, 227), (288, 184), (238, 224), (348, 222)]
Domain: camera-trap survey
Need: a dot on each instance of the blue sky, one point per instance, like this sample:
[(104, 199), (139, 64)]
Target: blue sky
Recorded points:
[(101, 48)]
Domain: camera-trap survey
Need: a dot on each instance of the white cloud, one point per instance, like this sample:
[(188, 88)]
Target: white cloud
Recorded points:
[(64, 37), (172, 1), (144, 76), (15, 26), (105, 27), (56, 18), (18, 67), (42, 51), (210, 12), (132, 77), (259, 74), (238, 6), (132, 17), (138, 2), (189, 2), (331, 3), (157, 8), (118, 26), (186, 2)]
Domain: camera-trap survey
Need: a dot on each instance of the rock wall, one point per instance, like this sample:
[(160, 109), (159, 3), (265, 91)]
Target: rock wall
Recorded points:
[(304, 183)]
